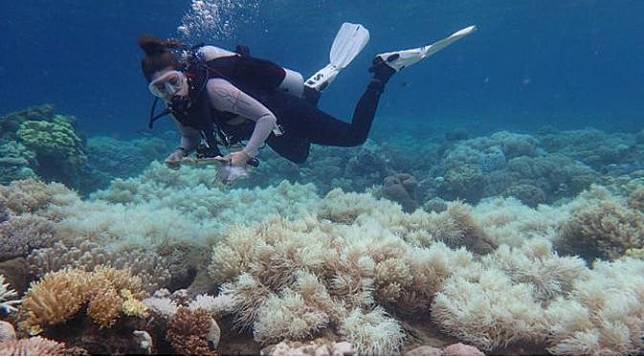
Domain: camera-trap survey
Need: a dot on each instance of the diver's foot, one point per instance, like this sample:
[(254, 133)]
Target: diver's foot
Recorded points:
[(381, 70)]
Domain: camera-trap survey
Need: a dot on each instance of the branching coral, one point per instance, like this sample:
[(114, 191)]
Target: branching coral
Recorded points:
[(22, 234), (188, 332)]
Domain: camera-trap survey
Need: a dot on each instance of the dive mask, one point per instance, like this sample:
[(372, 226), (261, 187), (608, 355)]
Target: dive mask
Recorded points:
[(167, 85)]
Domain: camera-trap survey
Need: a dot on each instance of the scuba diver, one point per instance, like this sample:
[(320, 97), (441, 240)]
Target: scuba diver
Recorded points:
[(219, 97)]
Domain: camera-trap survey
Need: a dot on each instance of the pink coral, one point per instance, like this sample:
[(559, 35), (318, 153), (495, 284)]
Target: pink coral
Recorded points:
[(460, 349)]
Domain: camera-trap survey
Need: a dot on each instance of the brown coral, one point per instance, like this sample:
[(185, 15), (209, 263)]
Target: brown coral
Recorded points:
[(35, 346), (87, 255), (55, 298), (105, 307), (457, 227), (31, 196), (602, 229), (636, 199), (188, 332), (59, 296)]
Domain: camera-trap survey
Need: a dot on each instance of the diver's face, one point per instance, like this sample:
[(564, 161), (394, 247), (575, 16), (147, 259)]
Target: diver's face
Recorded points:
[(169, 83)]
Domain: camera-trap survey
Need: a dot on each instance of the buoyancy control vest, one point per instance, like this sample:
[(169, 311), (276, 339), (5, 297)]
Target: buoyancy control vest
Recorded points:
[(254, 76)]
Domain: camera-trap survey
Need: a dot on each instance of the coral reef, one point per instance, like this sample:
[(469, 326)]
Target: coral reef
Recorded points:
[(323, 269)]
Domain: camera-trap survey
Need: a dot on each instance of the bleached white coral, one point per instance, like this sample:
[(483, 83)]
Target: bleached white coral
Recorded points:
[(537, 264), (7, 295), (217, 306), (247, 295), (604, 314), (372, 333), (164, 307), (287, 316), (489, 311)]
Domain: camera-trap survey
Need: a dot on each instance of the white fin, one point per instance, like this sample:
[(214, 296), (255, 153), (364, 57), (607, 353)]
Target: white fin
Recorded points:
[(349, 42), (405, 58)]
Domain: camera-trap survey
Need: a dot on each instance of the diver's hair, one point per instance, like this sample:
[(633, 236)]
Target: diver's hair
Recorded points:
[(158, 55)]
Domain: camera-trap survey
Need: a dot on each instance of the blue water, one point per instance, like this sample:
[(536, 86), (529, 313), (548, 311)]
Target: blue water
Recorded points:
[(568, 63)]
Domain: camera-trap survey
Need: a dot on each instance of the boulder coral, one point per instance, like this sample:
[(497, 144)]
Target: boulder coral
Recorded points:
[(60, 152)]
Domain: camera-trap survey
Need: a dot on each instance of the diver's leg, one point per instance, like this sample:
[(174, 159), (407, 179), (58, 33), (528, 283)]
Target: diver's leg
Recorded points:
[(323, 129)]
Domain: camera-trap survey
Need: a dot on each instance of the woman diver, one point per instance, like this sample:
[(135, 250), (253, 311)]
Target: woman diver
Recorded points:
[(217, 96)]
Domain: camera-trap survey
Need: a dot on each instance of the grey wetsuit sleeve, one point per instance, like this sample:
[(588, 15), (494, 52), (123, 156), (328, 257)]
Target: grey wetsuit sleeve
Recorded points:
[(226, 97), (189, 137)]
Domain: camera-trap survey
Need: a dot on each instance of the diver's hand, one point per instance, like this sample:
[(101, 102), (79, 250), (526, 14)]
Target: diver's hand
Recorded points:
[(238, 158), (173, 161)]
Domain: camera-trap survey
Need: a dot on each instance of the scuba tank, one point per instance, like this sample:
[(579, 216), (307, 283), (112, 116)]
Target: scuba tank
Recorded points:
[(249, 74)]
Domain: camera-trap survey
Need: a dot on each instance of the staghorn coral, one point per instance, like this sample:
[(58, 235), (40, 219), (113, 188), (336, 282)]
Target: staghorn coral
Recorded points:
[(34, 346), (217, 306), (59, 296), (188, 332)]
